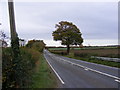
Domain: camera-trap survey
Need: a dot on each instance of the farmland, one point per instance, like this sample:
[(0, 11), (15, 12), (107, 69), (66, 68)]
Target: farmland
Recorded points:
[(86, 47), (95, 51), (86, 53)]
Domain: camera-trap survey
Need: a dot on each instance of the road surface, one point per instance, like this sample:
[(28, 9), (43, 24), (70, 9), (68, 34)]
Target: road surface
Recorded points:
[(74, 73)]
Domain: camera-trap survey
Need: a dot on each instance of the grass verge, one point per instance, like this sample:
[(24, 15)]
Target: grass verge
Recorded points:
[(93, 60), (43, 76)]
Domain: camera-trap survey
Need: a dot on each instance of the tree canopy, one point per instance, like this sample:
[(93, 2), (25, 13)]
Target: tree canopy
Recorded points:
[(36, 44), (68, 34)]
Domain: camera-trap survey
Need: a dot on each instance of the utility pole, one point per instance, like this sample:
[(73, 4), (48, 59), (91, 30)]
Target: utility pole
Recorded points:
[(14, 36), (14, 46), (12, 19), (0, 64)]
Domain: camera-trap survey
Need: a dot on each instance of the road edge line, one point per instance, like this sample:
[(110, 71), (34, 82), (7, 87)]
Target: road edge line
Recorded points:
[(55, 71)]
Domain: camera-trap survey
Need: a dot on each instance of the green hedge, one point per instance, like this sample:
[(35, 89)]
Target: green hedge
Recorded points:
[(27, 59)]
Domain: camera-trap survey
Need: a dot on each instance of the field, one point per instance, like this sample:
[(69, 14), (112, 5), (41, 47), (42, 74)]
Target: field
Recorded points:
[(93, 51), (113, 53), (86, 53), (84, 48)]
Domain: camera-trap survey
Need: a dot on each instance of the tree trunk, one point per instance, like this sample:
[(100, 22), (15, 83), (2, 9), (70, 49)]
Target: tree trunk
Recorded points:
[(68, 49)]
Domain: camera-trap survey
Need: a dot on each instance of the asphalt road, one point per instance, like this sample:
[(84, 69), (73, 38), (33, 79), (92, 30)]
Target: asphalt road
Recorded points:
[(74, 73)]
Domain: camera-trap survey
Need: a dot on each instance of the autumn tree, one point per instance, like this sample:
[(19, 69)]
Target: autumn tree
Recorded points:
[(68, 34), (36, 44)]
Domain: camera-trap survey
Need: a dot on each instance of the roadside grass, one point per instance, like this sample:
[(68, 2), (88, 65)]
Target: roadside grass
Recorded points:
[(93, 60), (43, 76)]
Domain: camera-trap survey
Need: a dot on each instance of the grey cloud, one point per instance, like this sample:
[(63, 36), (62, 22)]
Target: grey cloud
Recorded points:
[(96, 20)]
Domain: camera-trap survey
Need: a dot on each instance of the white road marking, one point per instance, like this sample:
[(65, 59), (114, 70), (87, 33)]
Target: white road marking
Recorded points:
[(86, 68), (55, 72), (115, 77), (92, 63), (95, 70), (95, 64), (117, 80)]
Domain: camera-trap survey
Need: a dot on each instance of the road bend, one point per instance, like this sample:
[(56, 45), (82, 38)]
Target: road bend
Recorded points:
[(74, 73)]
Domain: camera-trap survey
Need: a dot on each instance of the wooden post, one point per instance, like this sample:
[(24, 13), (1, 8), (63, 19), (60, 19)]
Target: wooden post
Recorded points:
[(14, 45), (12, 19), (0, 64)]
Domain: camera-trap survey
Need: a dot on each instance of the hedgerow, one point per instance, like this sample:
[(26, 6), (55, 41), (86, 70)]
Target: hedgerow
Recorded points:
[(18, 64), (27, 59)]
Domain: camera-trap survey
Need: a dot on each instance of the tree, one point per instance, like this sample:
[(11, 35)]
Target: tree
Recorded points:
[(36, 44), (3, 38), (68, 34)]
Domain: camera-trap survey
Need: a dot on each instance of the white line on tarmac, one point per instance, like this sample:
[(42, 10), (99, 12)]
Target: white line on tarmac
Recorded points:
[(84, 67), (92, 70), (117, 80), (93, 63), (55, 72), (96, 64)]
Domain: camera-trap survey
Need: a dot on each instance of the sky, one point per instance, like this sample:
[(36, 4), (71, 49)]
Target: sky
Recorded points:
[(97, 21)]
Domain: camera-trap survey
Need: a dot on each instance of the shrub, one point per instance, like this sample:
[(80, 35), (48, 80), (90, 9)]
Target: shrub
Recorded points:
[(36, 44), (27, 59), (6, 68)]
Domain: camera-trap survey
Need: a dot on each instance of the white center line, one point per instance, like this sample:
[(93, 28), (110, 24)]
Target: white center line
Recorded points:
[(115, 77), (117, 80), (86, 69)]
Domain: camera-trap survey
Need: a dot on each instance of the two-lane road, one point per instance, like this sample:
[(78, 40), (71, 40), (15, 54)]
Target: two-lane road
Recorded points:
[(74, 73)]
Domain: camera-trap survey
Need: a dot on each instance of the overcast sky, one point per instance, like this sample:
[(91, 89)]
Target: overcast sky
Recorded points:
[(98, 21)]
